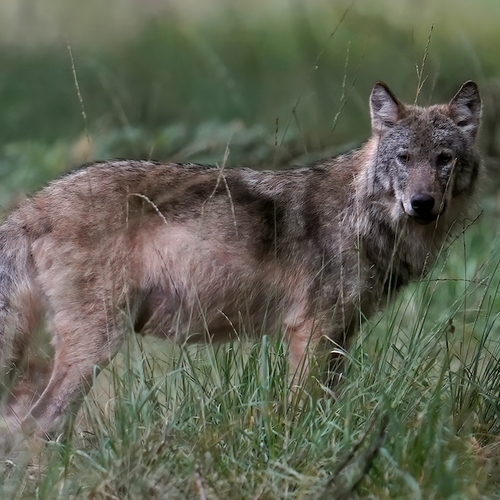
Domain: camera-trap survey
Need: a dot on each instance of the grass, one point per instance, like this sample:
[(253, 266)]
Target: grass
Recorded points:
[(417, 413)]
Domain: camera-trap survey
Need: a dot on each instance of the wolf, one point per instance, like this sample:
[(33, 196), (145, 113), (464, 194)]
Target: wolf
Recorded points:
[(200, 253)]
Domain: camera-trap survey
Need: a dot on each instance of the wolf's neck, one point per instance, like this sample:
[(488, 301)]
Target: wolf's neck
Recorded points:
[(394, 255)]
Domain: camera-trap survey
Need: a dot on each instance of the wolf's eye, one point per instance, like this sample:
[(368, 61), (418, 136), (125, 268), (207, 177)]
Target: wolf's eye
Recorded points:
[(403, 158), (443, 159)]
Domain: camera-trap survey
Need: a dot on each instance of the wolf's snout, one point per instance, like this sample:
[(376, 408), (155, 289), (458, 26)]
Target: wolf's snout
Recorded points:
[(422, 204)]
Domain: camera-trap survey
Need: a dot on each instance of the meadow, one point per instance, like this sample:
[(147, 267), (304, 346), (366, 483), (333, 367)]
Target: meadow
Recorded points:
[(417, 415)]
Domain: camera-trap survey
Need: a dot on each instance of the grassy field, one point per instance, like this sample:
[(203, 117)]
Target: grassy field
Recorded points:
[(418, 414)]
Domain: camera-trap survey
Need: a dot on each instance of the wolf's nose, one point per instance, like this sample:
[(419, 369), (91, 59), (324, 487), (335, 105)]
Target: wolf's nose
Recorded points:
[(422, 203)]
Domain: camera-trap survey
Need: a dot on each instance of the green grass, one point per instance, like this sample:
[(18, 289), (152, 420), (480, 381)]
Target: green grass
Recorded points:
[(417, 414)]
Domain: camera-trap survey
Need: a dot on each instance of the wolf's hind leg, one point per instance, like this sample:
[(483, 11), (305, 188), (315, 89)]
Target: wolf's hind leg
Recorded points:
[(83, 346), (19, 319)]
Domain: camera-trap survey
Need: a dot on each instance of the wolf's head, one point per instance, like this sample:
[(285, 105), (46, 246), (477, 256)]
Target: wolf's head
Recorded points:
[(424, 157)]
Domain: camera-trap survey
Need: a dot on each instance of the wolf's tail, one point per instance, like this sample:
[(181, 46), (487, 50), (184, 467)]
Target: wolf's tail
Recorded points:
[(19, 297)]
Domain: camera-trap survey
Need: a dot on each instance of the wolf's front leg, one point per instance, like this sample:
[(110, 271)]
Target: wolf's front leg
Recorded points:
[(303, 339), (309, 343)]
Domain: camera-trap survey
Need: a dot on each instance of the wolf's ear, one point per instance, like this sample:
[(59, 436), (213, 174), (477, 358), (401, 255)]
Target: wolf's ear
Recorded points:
[(465, 108), (385, 108)]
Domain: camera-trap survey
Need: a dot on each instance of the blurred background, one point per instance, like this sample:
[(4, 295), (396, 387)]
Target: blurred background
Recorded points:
[(280, 82)]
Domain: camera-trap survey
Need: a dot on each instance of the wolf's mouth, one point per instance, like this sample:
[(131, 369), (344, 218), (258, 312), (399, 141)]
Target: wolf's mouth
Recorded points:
[(424, 219)]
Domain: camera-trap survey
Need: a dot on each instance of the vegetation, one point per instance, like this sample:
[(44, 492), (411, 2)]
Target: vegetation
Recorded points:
[(417, 414)]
